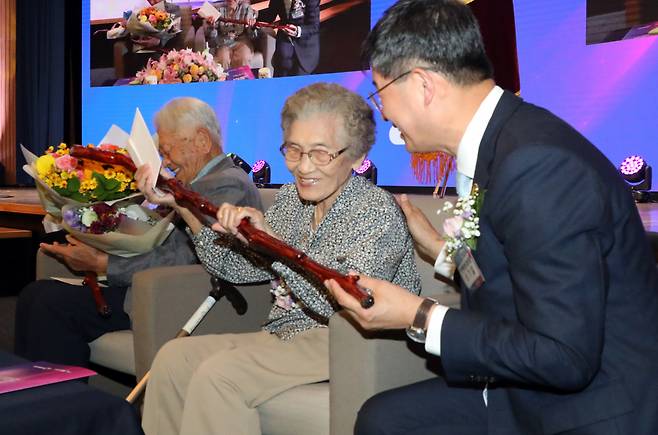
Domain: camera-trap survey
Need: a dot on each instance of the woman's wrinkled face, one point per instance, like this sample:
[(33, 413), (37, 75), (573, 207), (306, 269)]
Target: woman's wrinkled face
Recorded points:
[(319, 183)]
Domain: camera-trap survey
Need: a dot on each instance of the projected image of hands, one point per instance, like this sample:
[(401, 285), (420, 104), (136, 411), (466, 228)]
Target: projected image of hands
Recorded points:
[(615, 20), (140, 42)]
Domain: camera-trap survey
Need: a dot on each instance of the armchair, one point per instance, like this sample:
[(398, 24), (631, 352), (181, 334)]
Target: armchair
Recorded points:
[(361, 363)]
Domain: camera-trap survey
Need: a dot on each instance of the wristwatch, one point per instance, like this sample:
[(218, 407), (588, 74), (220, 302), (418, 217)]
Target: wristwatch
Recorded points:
[(417, 331)]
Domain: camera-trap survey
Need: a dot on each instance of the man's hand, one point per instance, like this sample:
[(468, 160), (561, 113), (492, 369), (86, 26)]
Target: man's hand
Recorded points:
[(144, 181), (291, 30), (395, 307), (428, 241), (78, 256)]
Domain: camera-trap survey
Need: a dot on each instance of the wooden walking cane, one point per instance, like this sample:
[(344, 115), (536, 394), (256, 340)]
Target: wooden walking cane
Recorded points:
[(220, 288)]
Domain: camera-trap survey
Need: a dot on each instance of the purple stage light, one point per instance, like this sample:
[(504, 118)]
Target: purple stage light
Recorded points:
[(262, 173), (632, 168), (364, 167), (258, 165)]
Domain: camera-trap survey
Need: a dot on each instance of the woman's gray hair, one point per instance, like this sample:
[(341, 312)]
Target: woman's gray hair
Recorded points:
[(189, 113), (358, 121)]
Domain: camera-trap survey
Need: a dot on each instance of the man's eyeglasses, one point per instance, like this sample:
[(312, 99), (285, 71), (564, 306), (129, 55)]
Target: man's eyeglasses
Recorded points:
[(374, 97), (293, 153)]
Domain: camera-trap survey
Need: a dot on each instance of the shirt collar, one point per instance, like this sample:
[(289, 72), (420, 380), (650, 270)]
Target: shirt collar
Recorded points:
[(467, 151), (211, 164)]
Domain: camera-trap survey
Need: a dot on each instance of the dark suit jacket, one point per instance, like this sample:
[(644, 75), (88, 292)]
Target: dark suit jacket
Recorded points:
[(565, 328), (224, 183), (307, 47)]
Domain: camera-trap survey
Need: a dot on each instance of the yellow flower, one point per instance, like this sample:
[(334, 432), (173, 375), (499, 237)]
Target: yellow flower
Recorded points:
[(62, 146), (50, 149), (133, 186), (45, 164), (187, 78), (143, 18), (194, 69), (201, 70), (109, 173), (122, 187), (64, 175)]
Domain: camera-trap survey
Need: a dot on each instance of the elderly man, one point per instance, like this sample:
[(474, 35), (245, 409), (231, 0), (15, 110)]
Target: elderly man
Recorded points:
[(55, 321), (557, 331)]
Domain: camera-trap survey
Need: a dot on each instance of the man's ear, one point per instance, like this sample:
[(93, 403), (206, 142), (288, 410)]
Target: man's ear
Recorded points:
[(202, 141), (434, 85)]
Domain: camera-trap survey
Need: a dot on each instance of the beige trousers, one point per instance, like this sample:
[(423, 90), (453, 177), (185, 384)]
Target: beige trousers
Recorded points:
[(213, 384)]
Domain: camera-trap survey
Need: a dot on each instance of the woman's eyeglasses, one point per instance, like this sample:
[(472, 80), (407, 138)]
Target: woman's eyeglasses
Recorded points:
[(293, 153)]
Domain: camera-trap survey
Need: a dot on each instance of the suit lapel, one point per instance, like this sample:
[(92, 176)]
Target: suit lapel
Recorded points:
[(506, 106)]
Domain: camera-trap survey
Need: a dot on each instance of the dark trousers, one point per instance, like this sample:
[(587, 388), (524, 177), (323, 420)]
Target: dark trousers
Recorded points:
[(55, 321), (426, 408), (285, 61)]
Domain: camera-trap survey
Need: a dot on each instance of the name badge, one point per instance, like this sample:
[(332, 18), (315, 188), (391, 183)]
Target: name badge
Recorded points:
[(468, 268), (297, 9)]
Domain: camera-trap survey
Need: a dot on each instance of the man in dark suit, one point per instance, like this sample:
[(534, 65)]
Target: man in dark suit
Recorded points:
[(54, 320), (562, 335), (298, 46)]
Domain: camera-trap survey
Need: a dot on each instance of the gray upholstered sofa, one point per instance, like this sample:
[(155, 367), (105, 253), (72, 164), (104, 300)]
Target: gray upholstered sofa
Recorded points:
[(361, 363)]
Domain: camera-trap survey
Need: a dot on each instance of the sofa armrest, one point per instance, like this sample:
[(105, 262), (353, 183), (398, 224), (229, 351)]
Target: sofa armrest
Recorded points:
[(48, 266), (164, 298), (363, 363)]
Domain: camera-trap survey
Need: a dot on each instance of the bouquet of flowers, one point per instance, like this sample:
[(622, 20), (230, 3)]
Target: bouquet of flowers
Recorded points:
[(124, 229), (153, 21), (180, 66), (63, 179)]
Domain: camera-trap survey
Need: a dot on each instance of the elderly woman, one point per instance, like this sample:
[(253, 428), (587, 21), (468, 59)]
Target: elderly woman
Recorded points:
[(213, 384)]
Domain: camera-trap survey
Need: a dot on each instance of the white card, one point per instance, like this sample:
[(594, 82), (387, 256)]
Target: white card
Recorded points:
[(208, 10), (115, 136), (141, 147)]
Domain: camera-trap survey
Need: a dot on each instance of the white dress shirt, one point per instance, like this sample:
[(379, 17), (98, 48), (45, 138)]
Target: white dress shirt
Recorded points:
[(467, 155)]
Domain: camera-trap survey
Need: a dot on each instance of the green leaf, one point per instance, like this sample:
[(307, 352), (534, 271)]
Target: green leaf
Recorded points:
[(111, 184), (73, 185), (62, 191), (472, 243)]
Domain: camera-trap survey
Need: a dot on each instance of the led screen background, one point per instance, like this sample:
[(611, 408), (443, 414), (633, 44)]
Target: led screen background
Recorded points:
[(607, 91)]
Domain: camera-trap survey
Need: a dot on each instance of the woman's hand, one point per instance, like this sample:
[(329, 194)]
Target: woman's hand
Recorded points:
[(229, 217), (144, 180)]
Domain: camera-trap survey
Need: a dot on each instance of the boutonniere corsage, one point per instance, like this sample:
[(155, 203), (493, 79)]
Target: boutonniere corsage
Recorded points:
[(463, 227)]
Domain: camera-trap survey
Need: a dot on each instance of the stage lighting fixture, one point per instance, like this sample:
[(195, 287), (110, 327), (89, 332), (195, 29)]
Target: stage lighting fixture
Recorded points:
[(239, 161), (636, 172), (367, 170), (261, 173)]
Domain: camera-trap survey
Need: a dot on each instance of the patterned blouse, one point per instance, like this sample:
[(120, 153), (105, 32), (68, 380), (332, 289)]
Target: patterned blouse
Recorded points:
[(364, 231)]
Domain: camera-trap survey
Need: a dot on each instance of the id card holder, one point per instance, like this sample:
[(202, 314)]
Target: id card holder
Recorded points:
[(469, 271)]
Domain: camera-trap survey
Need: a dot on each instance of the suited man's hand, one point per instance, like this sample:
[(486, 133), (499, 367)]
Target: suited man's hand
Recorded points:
[(291, 30), (394, 308), (428, 240), (78, 256)]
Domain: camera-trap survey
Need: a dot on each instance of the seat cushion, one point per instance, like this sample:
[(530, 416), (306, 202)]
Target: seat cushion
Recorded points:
[(298, 411), (114, 350)]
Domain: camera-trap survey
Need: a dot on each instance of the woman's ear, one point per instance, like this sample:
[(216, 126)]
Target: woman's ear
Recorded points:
[(358, 162)]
